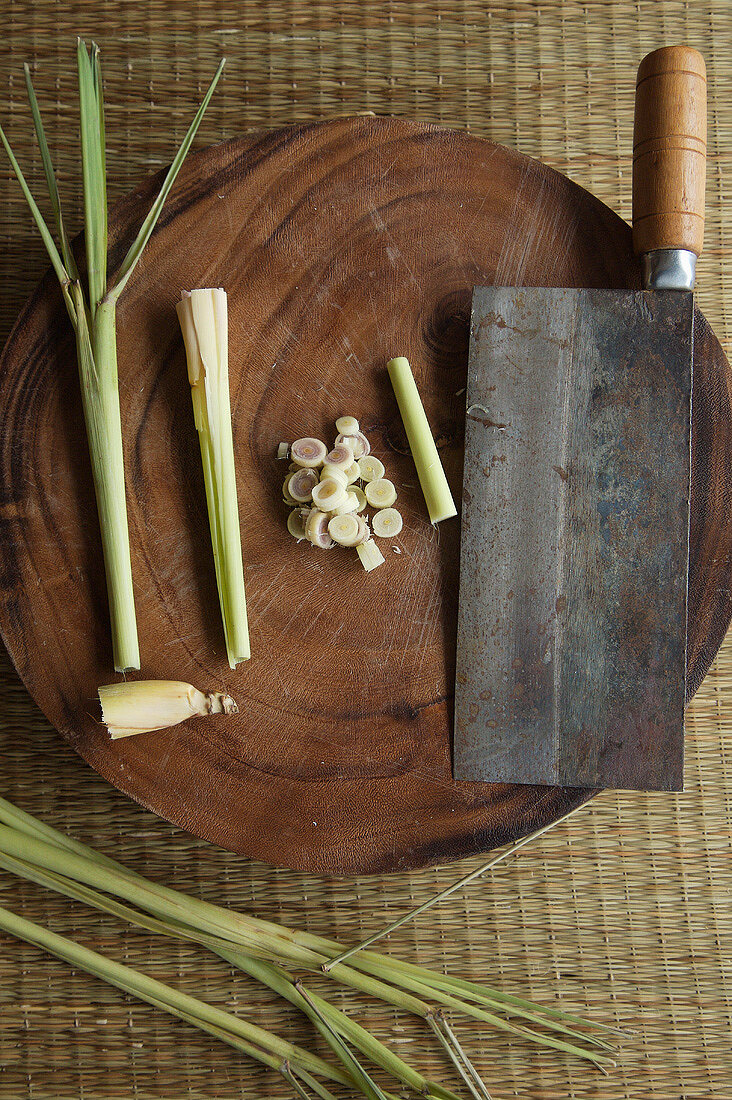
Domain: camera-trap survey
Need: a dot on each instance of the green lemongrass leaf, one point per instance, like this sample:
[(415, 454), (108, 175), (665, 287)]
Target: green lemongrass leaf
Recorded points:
[(292, 1081), (368, 1086), (271, 940), (317, 1086), (93, 172), (448, 1047), (99, 92), (283, 983), (485, 994), (534, 1013), (472, 1071), (130, 261), (501, 1024), (53, 254), (155, 992), (66, 252)]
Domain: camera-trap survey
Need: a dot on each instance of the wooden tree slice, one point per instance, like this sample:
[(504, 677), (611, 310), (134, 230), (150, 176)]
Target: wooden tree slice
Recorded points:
[(340, 244)]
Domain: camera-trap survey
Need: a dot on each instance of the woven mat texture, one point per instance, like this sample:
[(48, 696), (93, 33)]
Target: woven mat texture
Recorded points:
[(624, 911)]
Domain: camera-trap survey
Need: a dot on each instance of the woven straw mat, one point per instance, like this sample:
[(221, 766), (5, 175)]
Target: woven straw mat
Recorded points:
[(624, 911)]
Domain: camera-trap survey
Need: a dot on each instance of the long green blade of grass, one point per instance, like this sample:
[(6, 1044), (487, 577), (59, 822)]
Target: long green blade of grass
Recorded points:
[(130, 261), (67, 254), (94, 174)]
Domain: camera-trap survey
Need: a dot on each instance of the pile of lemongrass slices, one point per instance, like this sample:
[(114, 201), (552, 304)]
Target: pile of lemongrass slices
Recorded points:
[(328, 492)]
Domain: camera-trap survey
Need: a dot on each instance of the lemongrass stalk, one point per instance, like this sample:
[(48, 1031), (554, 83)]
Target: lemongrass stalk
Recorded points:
[(232, 1029), (92, 315), (204, 322), (191, 918), (140, 706), (437, 495), (269, 974)]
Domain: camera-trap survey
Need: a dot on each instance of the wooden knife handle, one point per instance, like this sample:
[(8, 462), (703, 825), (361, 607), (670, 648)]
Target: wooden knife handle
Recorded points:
[(669, 150)]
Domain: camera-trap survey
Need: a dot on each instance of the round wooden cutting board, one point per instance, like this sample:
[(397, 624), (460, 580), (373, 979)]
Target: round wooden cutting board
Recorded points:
[(340, 244)]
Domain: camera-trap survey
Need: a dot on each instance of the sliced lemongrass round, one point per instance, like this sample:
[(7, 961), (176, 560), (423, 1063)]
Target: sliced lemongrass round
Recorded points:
[(316, 529), (358, 443), (370, 555), (296, 524), (344, 530), (381, 493), (370, 467), (286, 496), (283, 450), (329, 494), (387, 522), (353, 473), (360, 497), (350, 504), (346, 425), (301, 485), (341, 456), (364, 530), (308, 452), (334, 471)]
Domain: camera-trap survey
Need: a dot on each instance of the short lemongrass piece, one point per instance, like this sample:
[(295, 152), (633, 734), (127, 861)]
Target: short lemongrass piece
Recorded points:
[(141, 706), (329, 494), (301, 485), (437, 495), (204, 321), (308, 452), (345, 529), (347, 425), (286, 495), (370, 468), (360, 497), (357, 441), (296, 524), (283, 450), (316, 529), (387, 523), (380, 493), (350, 504), (337, 472), (93, 315), (364, 530), (341, 456), (353, 473), (370, 555)]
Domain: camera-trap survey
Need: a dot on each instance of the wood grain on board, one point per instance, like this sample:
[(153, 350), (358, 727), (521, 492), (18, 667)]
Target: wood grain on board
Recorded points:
[(340, 244)]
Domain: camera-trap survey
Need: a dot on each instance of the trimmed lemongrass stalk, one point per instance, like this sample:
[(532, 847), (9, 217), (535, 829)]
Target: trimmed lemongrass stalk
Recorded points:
[(203, 319), (437, 495), (249, 1038), (141, 706), (273, 976), (31, 843), (93, 318)]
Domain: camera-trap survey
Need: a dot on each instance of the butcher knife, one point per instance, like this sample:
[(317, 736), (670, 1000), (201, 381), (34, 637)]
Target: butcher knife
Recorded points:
[(571, 651)]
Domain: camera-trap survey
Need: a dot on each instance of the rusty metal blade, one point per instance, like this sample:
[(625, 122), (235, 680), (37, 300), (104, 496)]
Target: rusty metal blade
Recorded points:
[(575, 539)]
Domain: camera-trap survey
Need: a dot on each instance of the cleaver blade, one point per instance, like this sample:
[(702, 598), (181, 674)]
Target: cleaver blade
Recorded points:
[(571, 653)]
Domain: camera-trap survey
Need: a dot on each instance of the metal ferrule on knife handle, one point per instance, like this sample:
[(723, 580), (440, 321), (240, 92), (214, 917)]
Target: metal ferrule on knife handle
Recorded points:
[(669, 166)]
